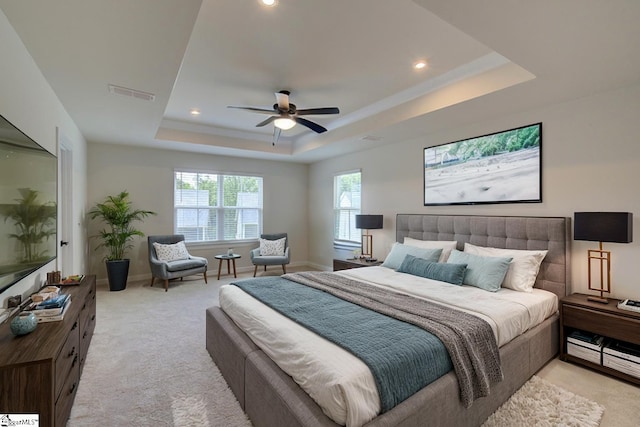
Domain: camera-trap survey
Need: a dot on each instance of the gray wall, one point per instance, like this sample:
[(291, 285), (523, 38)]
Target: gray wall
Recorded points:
[(27, 101), (147, 174), (591, 162)]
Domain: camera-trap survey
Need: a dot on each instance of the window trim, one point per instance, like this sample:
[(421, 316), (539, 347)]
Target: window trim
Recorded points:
[(220, 209), (342, 243)]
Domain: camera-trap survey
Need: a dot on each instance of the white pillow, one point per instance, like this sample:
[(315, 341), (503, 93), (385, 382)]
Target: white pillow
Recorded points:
[(523, 268), (272, 247), (446, 246), (173, 252)]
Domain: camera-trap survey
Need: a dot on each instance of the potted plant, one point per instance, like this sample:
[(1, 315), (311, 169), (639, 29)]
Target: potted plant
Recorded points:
[(118, 214)]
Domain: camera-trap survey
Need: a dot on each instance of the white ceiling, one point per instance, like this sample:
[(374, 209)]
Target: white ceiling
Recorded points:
[(485, 58)]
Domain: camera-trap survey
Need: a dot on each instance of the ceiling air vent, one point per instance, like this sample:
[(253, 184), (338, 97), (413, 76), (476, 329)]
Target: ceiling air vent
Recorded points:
[(119, 90), (370, 138)]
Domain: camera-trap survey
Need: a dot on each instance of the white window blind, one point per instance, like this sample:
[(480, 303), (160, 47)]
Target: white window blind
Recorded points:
[(346, 205), (217, 207)]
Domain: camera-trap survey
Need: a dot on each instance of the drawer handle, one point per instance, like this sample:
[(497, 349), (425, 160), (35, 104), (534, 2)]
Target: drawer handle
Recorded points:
[(84, 335), (72, 351), (75, 325), (93, 317), (75, 360), (72, 388), (84, 306)]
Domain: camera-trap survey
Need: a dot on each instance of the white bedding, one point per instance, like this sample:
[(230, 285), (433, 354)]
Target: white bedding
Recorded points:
[(340, 383)]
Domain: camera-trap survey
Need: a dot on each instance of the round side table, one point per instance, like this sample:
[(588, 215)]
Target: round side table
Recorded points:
[(228, 258)]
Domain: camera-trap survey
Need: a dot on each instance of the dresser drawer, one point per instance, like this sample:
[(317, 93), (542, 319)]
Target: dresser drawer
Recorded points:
[(68, 358), (65, 399), (605, 324), (88, 324)]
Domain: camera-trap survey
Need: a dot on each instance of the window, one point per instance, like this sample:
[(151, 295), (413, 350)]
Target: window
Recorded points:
[(215, 207), (346, 205)]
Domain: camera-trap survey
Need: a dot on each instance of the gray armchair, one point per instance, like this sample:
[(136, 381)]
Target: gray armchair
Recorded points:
[(258, 259), (167, 270)]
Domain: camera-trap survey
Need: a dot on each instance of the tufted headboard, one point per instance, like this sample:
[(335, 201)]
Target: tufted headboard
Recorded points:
[(510, 232)]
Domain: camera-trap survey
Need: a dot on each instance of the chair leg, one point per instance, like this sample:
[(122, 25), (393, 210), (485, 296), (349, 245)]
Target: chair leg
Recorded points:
[(255, 270), (265, 268), (205, 276), (284, 269), (166, 285), (153, 279)]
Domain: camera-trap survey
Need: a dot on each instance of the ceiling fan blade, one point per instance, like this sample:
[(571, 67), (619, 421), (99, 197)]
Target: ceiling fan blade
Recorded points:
[(276, 135), (324, 110), (266, 121), (253, 109), (311, 125), (282, 99)]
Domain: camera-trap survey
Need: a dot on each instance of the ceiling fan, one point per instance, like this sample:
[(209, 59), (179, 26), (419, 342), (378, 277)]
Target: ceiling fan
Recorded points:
[(287, 115)]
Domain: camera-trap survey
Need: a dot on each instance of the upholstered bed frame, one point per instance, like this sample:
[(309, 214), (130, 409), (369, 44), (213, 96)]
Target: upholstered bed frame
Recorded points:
[(272, 398)]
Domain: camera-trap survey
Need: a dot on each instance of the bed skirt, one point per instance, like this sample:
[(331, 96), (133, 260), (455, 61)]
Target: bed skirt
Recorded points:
[(271, 398)]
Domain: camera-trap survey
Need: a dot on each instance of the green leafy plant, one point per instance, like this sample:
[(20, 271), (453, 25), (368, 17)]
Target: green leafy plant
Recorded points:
[(35, 222), (118, 214)]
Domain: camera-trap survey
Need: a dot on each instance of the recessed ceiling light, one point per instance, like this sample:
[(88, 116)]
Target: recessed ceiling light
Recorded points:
[(194, 112), (419, 65), (269, 3)]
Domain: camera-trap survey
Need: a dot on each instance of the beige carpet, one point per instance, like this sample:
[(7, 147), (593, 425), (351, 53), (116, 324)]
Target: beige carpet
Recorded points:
[(147, 363), (148, 366)]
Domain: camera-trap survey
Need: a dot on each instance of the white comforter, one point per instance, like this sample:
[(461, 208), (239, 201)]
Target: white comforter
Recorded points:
[(340, 383)]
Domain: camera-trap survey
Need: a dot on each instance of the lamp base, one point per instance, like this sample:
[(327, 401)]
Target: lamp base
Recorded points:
[(598, 299)]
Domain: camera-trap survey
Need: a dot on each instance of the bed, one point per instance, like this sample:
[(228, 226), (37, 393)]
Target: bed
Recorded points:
[(272, 398)]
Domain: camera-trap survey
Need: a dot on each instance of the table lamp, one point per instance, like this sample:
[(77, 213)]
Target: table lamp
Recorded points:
[(368, 222), (616, 227)]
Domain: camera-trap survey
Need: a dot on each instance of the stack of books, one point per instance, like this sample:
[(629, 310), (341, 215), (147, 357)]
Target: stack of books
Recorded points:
[(50, 310), (622, 356), (585, 345), (630, 305)]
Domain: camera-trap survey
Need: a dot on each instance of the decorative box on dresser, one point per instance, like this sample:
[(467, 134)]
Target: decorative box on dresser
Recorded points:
[(345, 264), (40, 371), (607, 320)]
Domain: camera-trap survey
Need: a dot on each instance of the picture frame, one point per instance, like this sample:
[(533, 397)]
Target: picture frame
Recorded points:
[(500, 167)]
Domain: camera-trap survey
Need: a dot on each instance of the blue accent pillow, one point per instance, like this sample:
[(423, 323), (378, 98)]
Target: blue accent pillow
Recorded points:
[(399, 251), (450, 273), (482, 271)]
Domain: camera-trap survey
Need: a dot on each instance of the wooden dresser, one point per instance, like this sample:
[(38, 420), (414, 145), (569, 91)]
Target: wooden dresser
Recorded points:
[(40, 371)]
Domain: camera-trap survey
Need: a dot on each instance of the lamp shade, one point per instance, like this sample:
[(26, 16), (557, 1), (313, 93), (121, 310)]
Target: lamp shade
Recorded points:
[(616, 227), (368, 222)]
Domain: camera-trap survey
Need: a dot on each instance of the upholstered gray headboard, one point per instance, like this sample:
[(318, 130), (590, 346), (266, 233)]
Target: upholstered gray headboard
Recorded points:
[(510, 232)]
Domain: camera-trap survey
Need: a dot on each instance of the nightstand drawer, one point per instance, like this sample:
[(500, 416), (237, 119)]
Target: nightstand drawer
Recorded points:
[(605, 324)]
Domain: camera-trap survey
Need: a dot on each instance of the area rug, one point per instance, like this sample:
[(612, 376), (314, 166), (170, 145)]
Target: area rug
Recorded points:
[(540, 403)]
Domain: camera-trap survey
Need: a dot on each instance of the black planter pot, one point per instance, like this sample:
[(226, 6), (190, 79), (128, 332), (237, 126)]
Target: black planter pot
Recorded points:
[(117, 272)]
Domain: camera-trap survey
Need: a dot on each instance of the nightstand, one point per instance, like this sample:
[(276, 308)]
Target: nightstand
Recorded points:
[(345, 264), (576, 312)]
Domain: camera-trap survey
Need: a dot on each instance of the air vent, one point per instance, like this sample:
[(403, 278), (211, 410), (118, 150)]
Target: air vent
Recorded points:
[(371, 138), (119, 90)]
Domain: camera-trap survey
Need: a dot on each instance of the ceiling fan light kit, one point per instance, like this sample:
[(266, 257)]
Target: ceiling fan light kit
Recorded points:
[(284, 123), (287, 114)]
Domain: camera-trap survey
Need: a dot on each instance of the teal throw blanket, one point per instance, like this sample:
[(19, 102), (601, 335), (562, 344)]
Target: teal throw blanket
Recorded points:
[(403, 358)]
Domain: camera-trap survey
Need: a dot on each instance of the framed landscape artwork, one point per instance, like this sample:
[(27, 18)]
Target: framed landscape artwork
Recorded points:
[(502, 167)]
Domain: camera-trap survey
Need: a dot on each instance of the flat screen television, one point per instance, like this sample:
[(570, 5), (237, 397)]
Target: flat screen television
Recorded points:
[(28, 205), (501, 167)]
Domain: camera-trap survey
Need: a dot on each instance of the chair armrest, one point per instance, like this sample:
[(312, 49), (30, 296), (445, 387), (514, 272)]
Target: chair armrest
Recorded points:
[(254, 253), (199, 258), (158, 268)]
